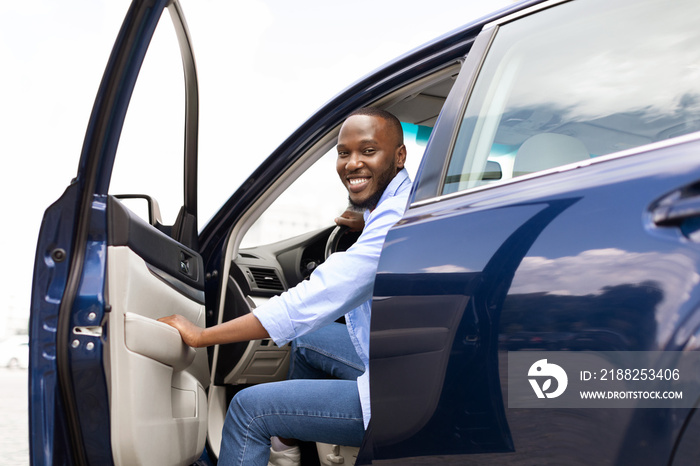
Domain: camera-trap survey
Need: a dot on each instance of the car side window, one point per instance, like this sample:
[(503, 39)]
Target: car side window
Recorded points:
[(555, 90), (310, 203)]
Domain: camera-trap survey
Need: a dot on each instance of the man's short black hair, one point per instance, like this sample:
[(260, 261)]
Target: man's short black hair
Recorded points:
[(390, 118)]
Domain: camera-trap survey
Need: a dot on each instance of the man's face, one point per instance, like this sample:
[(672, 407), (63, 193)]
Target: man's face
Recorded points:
[(369, 156)]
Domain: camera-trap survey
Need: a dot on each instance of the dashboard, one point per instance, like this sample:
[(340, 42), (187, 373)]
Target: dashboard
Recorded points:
[(256, 275)]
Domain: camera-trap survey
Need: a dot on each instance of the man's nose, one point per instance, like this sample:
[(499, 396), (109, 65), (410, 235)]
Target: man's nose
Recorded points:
[(354, 162)]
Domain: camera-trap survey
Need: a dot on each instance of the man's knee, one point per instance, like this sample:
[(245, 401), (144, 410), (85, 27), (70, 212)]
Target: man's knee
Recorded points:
[(245, 404), (236, 409)]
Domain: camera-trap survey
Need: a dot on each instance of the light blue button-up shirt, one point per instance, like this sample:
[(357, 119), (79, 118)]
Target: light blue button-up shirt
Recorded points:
[(342, 285)]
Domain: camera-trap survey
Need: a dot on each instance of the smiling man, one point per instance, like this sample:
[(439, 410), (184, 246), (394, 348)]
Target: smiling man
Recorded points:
[(311, 406), (371, 153)]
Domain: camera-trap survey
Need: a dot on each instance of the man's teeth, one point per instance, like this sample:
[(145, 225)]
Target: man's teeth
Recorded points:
[(358, 180)]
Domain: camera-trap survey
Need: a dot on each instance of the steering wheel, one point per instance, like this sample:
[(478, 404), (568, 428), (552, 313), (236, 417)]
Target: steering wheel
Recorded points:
[(334, 239)]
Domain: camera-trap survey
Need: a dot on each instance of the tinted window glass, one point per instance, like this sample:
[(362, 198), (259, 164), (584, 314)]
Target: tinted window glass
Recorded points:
[(579, 80)]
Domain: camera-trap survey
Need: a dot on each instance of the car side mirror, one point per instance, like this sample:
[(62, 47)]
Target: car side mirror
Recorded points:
[(144, 206)]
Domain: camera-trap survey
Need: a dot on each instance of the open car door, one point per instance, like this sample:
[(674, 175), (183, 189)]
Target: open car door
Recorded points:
[(109, 384)]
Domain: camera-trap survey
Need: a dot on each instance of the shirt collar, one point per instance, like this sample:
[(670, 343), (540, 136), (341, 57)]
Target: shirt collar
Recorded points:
[(392, 188), (394, 185)]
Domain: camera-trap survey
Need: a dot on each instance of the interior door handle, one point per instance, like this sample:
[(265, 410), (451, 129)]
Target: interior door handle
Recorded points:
[(676, 211), (157, 341)]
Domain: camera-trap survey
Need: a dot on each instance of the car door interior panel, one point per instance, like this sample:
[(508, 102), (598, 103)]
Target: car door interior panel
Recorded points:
[(173, 262), (154, 379)]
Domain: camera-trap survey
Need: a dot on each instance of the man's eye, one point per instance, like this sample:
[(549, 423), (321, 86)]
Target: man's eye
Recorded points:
[(368, 151)]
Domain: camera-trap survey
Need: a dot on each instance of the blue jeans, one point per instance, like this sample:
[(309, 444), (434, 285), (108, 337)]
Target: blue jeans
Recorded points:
[(307, 407)]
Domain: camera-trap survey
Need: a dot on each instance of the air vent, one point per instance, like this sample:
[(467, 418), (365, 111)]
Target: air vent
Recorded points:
[(266, 279)]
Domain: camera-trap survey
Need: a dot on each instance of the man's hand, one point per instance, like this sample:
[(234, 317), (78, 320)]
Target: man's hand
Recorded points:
[(244, 328), (351, 219), (190, 333)]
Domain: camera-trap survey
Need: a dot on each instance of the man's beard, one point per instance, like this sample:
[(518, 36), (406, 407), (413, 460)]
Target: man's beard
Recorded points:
[(371, 202), (368, 204)]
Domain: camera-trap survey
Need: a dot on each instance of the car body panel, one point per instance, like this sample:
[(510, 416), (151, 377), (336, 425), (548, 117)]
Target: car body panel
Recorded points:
[(517, 282), (578, 257)]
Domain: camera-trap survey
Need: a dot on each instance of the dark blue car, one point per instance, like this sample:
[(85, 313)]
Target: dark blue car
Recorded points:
[(555, 212)]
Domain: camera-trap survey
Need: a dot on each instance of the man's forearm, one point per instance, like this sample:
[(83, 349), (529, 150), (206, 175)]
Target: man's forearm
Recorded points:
[(243, 328)]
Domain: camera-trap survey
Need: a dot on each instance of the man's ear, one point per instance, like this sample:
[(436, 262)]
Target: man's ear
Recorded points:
[(401, 156)]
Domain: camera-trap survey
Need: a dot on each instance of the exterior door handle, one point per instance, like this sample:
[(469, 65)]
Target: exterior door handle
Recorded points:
[(673, 212)]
